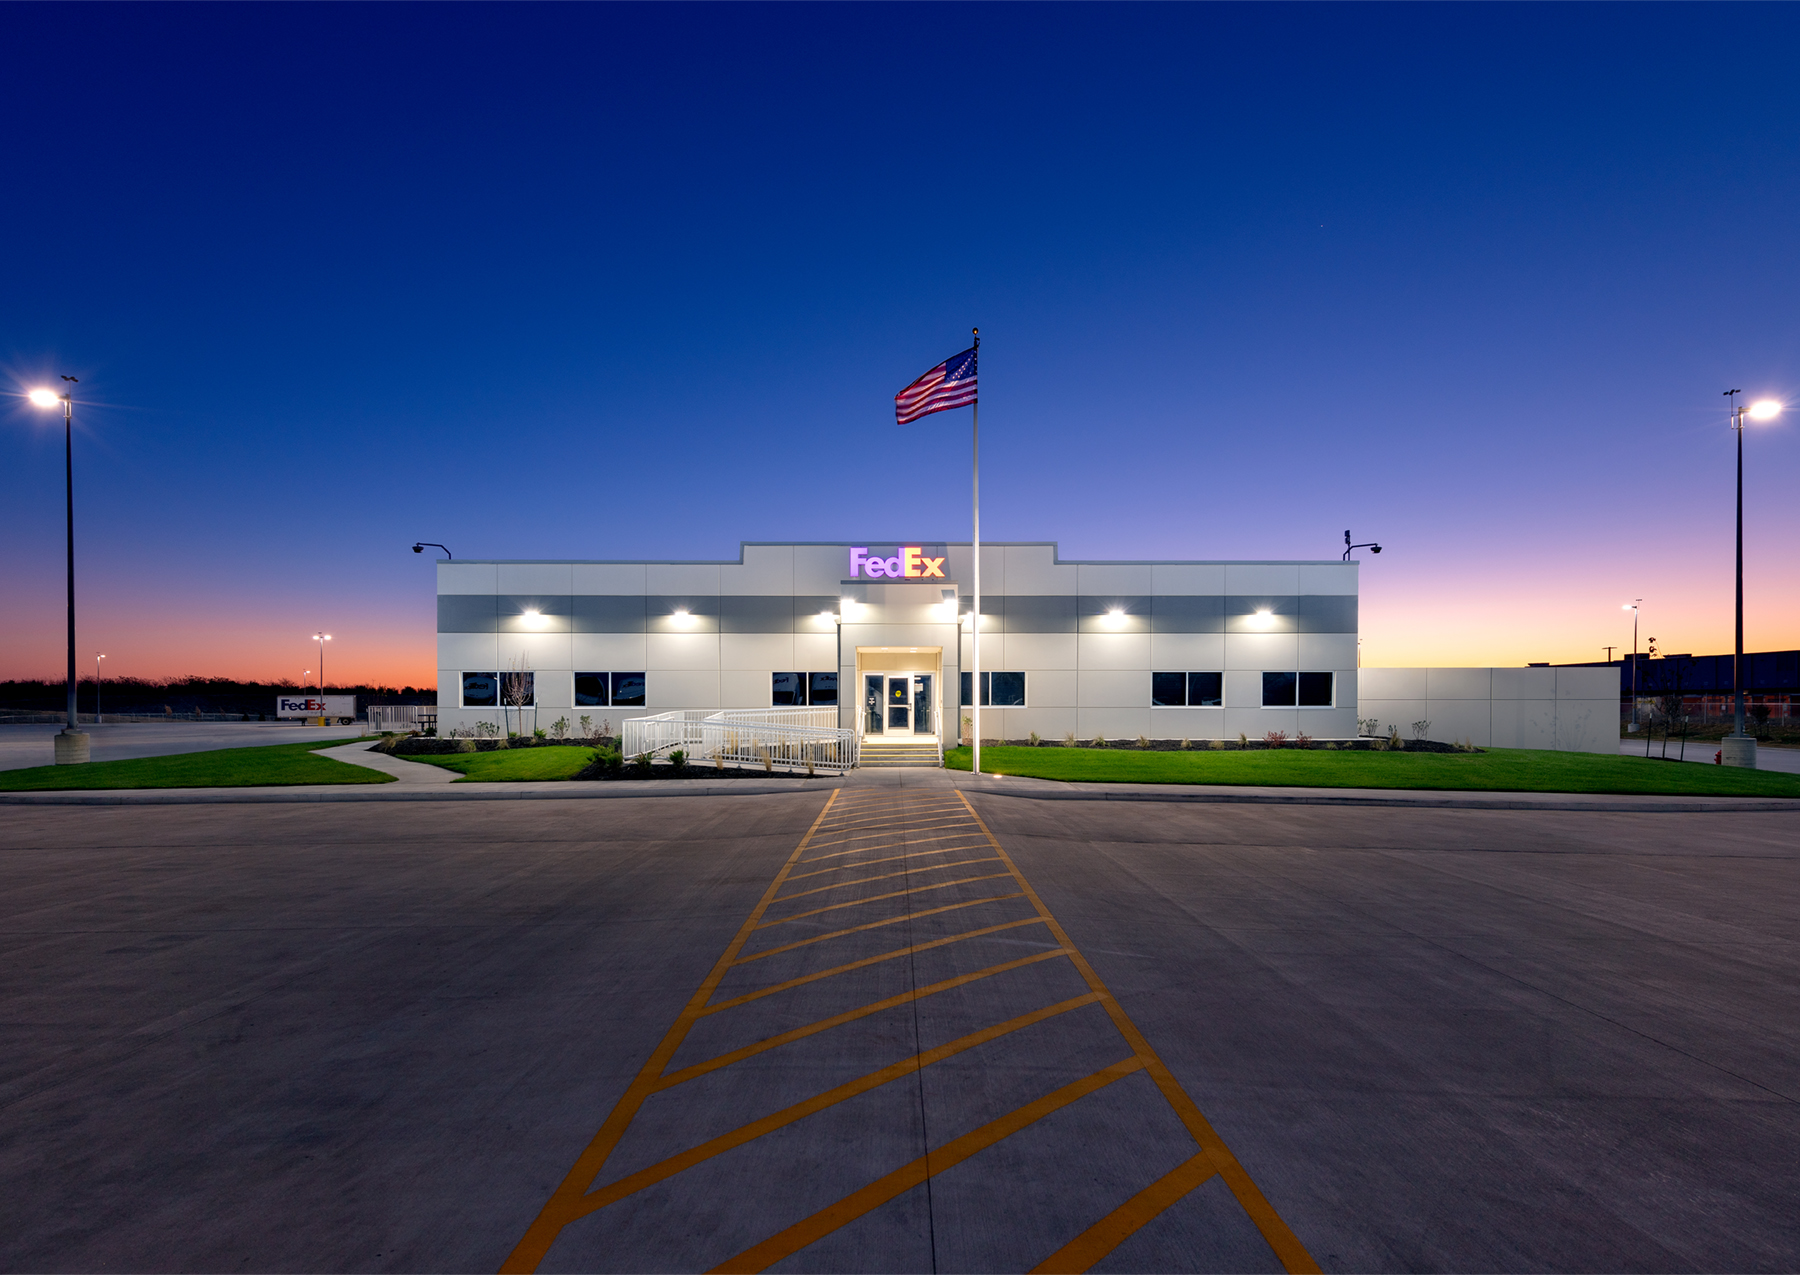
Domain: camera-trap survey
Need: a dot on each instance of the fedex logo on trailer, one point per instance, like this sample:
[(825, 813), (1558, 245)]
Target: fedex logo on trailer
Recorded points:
[(287, 705), (908, 564)]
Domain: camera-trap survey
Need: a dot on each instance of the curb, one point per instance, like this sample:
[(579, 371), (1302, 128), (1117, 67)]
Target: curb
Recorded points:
[(537, 791)]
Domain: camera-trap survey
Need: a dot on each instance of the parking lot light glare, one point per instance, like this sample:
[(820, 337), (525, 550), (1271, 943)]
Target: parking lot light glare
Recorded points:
[(1765, 410), (43, 398)]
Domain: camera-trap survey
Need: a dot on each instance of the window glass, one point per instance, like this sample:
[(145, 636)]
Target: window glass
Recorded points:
[(787, 690), (966, 699), (518, 690), (1008, 689), (628, 690), (480, 690), (590, 690), (1206, 690), (1168, 690), (1315, 690), (1278, 690), (821, 688)]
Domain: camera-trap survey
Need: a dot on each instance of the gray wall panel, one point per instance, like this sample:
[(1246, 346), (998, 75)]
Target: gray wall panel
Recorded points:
[(553, 613), (1038, 613), (1328, 613), (1094, 613), (1241, 613), (1187, 613), (468, 613), (702, 612), (609, 613), (740, 613)]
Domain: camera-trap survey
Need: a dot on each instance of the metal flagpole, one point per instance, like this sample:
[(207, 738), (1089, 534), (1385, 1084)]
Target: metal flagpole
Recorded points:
[(975, 619)]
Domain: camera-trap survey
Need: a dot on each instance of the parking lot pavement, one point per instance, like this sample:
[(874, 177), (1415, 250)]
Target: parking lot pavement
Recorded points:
[(340, 1036), (30, 745)]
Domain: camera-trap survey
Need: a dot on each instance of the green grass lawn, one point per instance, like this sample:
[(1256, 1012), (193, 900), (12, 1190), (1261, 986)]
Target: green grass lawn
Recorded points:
[(219, 768), (560, 762), (1498, 769)]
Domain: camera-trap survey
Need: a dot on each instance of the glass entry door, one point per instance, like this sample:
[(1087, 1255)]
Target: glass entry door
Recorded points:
[(899, 702), (874, 713), (922, 705)]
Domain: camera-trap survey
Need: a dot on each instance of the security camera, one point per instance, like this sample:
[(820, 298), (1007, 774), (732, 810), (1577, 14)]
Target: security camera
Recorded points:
[(1374, 548)]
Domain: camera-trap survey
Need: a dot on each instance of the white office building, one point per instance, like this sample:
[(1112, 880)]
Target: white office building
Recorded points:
[(882, 632)]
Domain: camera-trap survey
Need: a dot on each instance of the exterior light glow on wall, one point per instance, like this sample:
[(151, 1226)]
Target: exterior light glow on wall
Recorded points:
[(534, 619), (682, 617), (1115, 616), (1263, 619)]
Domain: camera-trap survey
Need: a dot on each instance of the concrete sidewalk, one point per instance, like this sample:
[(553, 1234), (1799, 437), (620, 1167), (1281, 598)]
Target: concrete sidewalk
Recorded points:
[(407, 774), (1784, 761)]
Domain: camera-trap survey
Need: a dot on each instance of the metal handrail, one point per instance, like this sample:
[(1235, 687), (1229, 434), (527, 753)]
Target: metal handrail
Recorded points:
[(769, 737)]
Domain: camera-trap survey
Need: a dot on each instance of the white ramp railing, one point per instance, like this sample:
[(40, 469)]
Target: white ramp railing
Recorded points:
[(792, 738)]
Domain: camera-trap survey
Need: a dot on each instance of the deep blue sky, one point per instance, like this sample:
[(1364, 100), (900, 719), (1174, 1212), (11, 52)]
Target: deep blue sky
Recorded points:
[(581, 281)]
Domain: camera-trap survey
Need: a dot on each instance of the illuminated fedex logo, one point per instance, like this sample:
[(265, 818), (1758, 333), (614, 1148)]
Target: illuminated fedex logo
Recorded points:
[(908, 564)]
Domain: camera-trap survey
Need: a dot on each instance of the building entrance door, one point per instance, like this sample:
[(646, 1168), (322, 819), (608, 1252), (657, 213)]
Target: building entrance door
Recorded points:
[(922, 705), (899, 704)]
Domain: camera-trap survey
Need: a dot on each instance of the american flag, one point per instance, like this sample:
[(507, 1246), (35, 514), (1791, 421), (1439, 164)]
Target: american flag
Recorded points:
[(949, 384)]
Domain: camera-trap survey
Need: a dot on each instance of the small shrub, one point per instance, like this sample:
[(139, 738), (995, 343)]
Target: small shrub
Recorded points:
[(1302, 739), (1394, 740), (763, 755), (678, 759), (540, 734), (1035, 741), (1419, 729), (1369, 725), (1143, 741), (1217, 745), (465, 745), (1378, 745), (1069, 740), (587, 726), (560, 727), (641, 764), (1276, 739), (1243, 741), (1186, 743), (1099, 741), (512, 734)]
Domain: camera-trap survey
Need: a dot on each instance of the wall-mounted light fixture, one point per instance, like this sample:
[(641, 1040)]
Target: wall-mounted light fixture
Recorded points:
[(681, 617), (534, 619)]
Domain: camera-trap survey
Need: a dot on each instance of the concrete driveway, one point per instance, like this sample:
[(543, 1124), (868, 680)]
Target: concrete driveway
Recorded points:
[(674, 1033)]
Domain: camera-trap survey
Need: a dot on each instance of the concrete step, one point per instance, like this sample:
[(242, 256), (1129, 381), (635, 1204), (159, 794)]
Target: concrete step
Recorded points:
[(881, 752)]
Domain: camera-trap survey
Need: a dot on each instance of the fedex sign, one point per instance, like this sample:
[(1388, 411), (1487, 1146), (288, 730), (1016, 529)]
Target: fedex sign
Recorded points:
[(908, 564)]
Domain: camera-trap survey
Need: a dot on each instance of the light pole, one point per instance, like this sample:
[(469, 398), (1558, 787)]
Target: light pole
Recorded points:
[(1739, 749), (321, 639), (71, 744), (1633, 608), (97, 658), (1371, 546)]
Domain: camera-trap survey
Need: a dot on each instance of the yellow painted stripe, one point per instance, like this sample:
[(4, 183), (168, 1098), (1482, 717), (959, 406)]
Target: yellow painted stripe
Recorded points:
[(959, 841), (836, 1020), (885, 876), (558, 1209), (1288, 1249), (886, 828), (613, 1192), (877, 898), (1125, 1221), (876, 925), (796, 1237), (870, 863), (898, 952)]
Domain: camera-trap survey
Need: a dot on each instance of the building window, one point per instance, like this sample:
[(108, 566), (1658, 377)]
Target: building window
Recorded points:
[(998, 690), (796, 690), (1191, 690), (603, 690), (480, 690), (627, 690), (518, 689), (1307, 690)]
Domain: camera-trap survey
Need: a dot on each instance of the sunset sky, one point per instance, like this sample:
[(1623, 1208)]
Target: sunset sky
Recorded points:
[(619, 282)]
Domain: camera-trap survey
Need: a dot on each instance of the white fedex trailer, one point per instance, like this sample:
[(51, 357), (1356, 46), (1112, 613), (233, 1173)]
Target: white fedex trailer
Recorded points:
[(342, 707)]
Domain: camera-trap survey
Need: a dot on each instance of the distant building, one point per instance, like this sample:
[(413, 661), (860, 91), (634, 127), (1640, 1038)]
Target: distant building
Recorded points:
[(1770, 677)]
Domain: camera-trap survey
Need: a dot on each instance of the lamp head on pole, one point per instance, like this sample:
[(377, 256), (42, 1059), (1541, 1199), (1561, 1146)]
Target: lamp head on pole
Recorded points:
[(1764, 410), (44, 398)]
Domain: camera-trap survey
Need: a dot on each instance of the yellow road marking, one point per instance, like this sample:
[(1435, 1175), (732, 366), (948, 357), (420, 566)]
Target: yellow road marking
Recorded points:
[(879, 828), (875, 925), (613, 1192), (1288, 1248), (1125, 1221), (898, 952), (876, 898), (870, 863), (885, 876), (850, 1015), (857, 1203), (555, 1214)]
